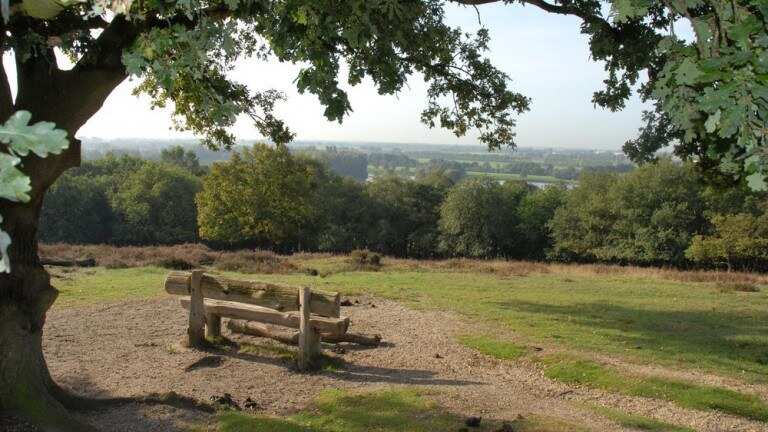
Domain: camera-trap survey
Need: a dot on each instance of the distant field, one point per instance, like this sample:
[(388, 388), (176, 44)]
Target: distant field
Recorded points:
[(508, 176)]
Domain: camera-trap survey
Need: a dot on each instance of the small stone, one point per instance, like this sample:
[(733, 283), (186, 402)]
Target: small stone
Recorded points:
[(438, 356)]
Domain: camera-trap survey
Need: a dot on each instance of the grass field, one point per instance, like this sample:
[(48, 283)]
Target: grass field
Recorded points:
[(685, 321), (510, 176)]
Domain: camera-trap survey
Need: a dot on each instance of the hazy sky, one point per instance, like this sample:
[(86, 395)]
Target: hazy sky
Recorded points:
[(545, 54)]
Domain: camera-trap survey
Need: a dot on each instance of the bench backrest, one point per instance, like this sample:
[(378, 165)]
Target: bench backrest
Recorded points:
[(280, 297)]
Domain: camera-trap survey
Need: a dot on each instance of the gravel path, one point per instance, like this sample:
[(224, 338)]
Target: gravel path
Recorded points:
[(131, 349)]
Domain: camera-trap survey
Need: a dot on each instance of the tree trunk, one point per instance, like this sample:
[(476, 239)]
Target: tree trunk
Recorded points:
[(67, 98), (26, 387)]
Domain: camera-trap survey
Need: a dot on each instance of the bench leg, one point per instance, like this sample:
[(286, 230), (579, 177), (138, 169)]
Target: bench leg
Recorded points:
[(195, 332), (212, 326), (309, 338)]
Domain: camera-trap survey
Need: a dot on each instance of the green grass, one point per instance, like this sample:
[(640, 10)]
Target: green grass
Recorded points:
[(391, 410), (640, 422), (688, 325), (101, 285), (493, 347), (685, 394), (643, 319)]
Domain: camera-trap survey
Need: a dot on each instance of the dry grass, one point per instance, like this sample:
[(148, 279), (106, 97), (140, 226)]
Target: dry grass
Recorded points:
[(255, 261), (179, 257), (258, 261)]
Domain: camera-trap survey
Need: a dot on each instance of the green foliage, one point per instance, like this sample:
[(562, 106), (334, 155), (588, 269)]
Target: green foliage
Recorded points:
[(683, 393), (478, 218), (263, 195), (739, 239), (535, 211), (186, 159), (185, 57), (646, 216), (346, 163), (21, 139), (343, 222), (156, 205), (77, 210), (404, 216)]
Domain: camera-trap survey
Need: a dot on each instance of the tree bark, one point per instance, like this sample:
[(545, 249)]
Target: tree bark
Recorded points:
[(69, 99), (25, 296)]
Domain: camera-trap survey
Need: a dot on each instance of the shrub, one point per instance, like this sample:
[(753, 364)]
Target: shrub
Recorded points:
[(737, 287), (365, 260), (175, 264), (256, 261)]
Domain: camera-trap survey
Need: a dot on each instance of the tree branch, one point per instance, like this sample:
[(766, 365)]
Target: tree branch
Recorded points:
[(6, 97), (587, 16)]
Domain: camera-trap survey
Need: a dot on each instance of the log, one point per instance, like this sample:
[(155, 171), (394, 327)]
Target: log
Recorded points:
[(279, 297), (87, 262), (292, 338), (270, 316), (262, 330), (195, 331), (309, 337)]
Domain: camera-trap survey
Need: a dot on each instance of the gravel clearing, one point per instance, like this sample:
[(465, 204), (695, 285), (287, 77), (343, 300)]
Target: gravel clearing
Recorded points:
[(131, 349)]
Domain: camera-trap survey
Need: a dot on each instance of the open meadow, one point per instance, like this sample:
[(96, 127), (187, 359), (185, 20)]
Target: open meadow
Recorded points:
[(526, 346)]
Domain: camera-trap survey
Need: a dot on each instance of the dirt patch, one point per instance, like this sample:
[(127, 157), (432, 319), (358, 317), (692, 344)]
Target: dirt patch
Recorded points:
[(131, 349)]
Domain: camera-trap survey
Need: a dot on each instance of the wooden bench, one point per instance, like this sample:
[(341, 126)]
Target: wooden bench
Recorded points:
[(210, 297)]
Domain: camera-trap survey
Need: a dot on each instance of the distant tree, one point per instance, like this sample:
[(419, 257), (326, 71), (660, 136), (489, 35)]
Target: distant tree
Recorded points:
[(535, 212), (344, 215), (452, 170), (178, 156), (404, 216), (737, 240), (263, 196), (156, 205), (76, 210), (478, 218), (347, 163), (646, 216), (582, 225)]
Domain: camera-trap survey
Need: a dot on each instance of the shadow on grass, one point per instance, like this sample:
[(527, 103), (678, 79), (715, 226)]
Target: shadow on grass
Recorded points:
[(712, 339)]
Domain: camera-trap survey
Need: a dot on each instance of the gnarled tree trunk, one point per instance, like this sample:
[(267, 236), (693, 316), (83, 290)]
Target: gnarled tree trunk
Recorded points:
[(69, 99), (26, 388)]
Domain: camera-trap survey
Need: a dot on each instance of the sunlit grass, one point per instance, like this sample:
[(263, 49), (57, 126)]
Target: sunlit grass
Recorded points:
[(390, 410), (100, 285), (494, 347), (639, 422), (685, 394)]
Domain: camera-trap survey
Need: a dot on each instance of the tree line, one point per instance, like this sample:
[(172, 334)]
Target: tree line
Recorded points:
[(266, 197)]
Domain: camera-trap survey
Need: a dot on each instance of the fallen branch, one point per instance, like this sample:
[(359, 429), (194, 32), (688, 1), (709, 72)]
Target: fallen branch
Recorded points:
[(88, 262), (292, 338)]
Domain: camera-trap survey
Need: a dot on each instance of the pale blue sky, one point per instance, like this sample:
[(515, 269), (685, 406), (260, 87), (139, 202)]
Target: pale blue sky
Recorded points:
[(545, 54)]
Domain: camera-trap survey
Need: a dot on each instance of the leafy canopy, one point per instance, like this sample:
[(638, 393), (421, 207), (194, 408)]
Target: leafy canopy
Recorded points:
[(183, 50)]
